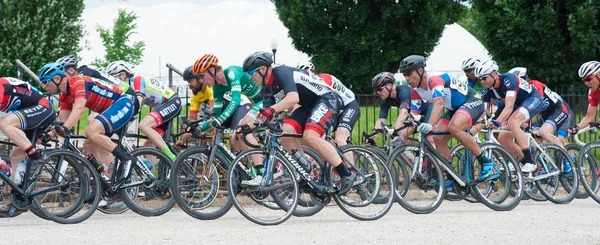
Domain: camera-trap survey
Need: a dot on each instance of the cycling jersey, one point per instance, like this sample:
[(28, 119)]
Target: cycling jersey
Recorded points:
[(336, 86), (151, 90), (27, 103), (206, 95), (475, 86), (285, 79), (406, 98), (550, 100), (593, 97), (449, 88), (17, 94), (86, 71), (510, 86), (238, 88)]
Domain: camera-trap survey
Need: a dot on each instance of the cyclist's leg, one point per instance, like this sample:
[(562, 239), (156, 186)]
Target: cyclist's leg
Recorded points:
[(161, 116), (111, 119), (551, 124), (441, 141), (530, 107), (463, 119), (563, 130), (294, 124), (346, 124)]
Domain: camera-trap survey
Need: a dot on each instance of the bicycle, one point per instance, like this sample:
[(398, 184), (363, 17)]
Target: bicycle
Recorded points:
[(587, 165), (55, 190), (421, 170), (589, 171), (281, 184)]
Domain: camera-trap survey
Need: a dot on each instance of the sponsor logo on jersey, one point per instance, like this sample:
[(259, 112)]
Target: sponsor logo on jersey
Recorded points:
[(319, 113), (473, 104), (166, 111), (507, 83), (119, 115), (231, 75), (545, 105), (349, 113)]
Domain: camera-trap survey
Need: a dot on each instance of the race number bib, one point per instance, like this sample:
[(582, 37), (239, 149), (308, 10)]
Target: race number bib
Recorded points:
[(155, 85), (551, 95), (524, 85), (459, 85)]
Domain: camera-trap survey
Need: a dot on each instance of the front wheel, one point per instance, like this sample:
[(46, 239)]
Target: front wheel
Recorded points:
[(153, 197), (588, 162)]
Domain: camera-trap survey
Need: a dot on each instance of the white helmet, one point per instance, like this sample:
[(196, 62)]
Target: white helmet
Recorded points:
[(67, 61), (485, 68), (589, 68), (307, 66), (520, 72), (470, 63), (117, 67)]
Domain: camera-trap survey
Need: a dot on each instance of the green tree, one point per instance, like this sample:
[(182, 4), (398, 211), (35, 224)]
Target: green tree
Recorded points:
[(117, 43), (38, 32), (355, 40), (551, 38)]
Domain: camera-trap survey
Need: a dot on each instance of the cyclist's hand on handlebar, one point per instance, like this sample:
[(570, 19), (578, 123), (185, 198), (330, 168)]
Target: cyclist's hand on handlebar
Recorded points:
[(574, 130), (61, 130), (370, 141)]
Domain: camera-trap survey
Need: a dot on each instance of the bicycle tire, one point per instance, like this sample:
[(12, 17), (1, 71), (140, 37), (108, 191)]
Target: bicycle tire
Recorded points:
[(574, 150), (433, 172), (586, 158), (159, 188), (569, 187), (185, 164)]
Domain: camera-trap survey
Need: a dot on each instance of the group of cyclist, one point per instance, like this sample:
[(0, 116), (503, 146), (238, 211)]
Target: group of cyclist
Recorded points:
[(320, 104)]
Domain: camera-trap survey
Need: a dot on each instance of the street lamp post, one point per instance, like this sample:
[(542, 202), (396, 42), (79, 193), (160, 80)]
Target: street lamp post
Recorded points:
[(274, 45)]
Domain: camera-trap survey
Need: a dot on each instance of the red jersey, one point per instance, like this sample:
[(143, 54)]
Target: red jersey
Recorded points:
[(99, 95)]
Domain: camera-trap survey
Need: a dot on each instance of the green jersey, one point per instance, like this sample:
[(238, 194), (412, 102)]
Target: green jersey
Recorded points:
[(239, 90)]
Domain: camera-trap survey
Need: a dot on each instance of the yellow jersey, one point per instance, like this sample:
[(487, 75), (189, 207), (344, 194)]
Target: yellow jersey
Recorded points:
[(205, 95)]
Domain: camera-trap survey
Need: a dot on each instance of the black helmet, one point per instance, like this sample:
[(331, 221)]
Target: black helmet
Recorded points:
[(412, 62), (257, 59), (187, 73), (382, 79)]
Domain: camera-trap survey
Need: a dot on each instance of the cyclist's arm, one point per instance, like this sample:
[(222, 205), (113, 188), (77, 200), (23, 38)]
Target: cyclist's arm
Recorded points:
[(589, 116), (236, 92), (288, 101), (436, 85), (76, 112), (401, 117), (509, 103)]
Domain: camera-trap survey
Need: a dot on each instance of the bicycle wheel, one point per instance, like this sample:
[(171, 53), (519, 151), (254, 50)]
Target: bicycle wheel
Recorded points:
[(459, 158), (550, 187), (199, 188), (506, 178), (281, 182), (62, 187), (309, 202), (153, 195), (588, 162), (418, 191), (372, 195), (590, 173)]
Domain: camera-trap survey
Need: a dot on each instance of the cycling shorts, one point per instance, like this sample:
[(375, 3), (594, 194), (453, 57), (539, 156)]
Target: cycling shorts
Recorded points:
[(117, 115), (349, 117), (34, 118), (319, 118), (472, 108), (164, 113)]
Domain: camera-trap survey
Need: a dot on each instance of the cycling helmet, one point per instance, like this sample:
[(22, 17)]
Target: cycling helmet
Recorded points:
[(203, 63), (485, 68), (382, 79), (412, 62), (188, 73), (470, 63), (308, 66), (256, 60), (68, 61), (589, 68), (520, 72), (117, 67), (49, 71)]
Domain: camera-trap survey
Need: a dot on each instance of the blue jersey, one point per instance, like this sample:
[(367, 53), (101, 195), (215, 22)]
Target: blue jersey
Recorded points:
[(510, 86), (449, 88), (406, 98)]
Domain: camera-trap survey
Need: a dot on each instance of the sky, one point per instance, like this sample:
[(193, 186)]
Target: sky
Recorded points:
[(179, 32)]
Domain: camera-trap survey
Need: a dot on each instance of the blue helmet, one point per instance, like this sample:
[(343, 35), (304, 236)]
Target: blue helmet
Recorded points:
[(49, 71)]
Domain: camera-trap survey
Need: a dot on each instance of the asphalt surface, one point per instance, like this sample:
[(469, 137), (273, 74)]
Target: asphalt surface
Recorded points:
[(453, 223)]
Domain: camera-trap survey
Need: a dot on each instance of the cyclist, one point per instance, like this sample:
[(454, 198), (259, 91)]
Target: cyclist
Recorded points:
[(151, 92), (402, 96), (463, 108), (554, 114), (351, 111), (468, 67), (521, 103), (589, 72), (115, 109), (319, 109), (200, 94), (28, 111), (71, 68), (230, 87)]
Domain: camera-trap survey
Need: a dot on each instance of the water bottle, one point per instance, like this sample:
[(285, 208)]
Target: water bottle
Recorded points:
[(147, 163), (20, 172), (302, 159), (4, 168)]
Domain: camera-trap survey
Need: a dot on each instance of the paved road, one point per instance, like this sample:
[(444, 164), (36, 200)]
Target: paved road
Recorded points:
[(453, 223)]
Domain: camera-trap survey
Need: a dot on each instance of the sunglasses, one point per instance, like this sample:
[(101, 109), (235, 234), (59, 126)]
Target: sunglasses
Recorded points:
[(379, 89), (407, 73), (588, 78), (483, 78), (251, 72), (468, 70)]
